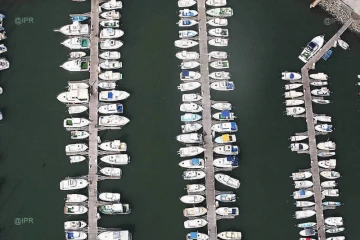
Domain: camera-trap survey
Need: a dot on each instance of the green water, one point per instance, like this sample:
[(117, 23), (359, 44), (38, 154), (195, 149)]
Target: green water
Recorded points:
[(265, 39)]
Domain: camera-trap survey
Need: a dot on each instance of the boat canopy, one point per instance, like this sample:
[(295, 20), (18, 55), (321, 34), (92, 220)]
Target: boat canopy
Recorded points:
[(292, 76), (302, 192), (225, 114), (185, 73), (225, 137), (233, 126), (233, 210), (233, 159), (195, 161), (193, 235), (110, 95)]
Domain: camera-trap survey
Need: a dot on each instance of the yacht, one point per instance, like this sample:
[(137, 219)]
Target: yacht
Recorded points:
[(191, 97), (291, 111), (185, 43), (293, 86), (301, 194), (227, 150), (111, 5), (109, 197), (110, 64), (319, 83), (226, 138), (189, 65), (226, 127), (293, 94), (223, 85), (329, 145), (307, 232), (73, 184), (113, 96), (335, 230), (299, 147), (190, 127), (226, 197), (190, 117), (195, 163), (75, 29), (79, 134), (190, 138), (111, 172), (77, 147), (115, 235), (321, 153), (110, 76), (220, 75), (110, 44), (221, 106), (190, 151), (185, 55), (192, 199), (75, 198), (196, 236), (219, 42), (330, 164), (76, 159), (218, 54), (195, 188), (220, 12), (190, 107), (319, 76), (187, 23), (300, 175), (75, 209), (75, 122), (323, 128), (111, 108), (74, 96), (330, 192), (219, 32), (77, 109), (109, 33), (195, 223), (334, 221), (107, 85), (111, 15), (303, 184), (221, 64), (330, 174), (304, 214), (76, 65), (294, 102), (298, 138), (187, 75), (312, 48), (304, 204), (186, 13), (186, 3), (322, 118), (216, 3), (227, 180), (113, 146), (110, 23), (306, 225), (74, 225), (227, 162), (115, 209), (227, 211), (77, 43), (328, 184), (113, 121), (193, 175), (218, 22), (230, 235), (290, 76), (323, 92), (116, 159)]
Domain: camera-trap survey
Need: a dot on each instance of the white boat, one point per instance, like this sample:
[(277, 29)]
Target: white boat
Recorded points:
[(221, 64), (304, 214), (290, 76), (223, 85), (109, 23), (226, 162), (343, 44), (189, 65), (291, 111), (190, 127), (111, 15), (318, 83), (109, 197), (189, 86), (113, 121), (321, 153), (113, 96), (330, 164), (75, 235), (3, 48), (220, 75), (218, 54), (186, 75), (334, 221), (77, 109), (110, 171), (226, 138), (110, 44), (303, 184), (230, 235), (216, 3), (74, 29), (294, 102), (112, 4), (77, 147), (311, 48), (330, 192), (321, 92), (222, 106), (76, 86), (186, 22), (196, 236), (219, 42), (109, 33), (300, 175), (304, 204), (79, 134), (226, 197), (227, 150), (112, 64), (306, 225), (219, 32), (110, 76), (319, 76), (73, 184), (227, 211), (328, 184), (195, 188), (190, 117), (190, 151), (330, 174), (107, 85), (111, 108), (191, 97), (293, 94), (185, 43), (195, 223), (77, 54), (75, 122), (293, 86), (74, 225), (299, 147), (218, 22), (323, 128), (76, 65), (298, 138), (186, 3), (322, 118), (115, 235), (75, 198), (76, 159), (190, 138), (307, 232), (192, 199), (113, 146), (335, 230), (194, 211), (185, 13), (227, 180), (321, 101), (75, 209), (190, 107), (116, 159), (220, 12), (301, 194), (226, 127), (185, 55), (329, 145), (195, 163)]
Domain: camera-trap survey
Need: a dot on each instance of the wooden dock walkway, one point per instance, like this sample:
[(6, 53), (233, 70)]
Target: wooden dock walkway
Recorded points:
[(311, 129), (93, 116), (206, 103)]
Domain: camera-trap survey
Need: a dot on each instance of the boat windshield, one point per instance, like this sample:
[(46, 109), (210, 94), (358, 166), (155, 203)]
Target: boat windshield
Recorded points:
[(312, 46)]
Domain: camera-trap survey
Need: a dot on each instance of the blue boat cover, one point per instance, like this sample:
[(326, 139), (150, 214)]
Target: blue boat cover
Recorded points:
[(230, 86), (110, 95), (193, 235), (302, 192), (195, 161), (187, 22), (328, 128), (119, 108), (185, 73), (70, 235), (233, 211), (234, 149), (235, 161), (233, 126), (292, 75), (225, 113)]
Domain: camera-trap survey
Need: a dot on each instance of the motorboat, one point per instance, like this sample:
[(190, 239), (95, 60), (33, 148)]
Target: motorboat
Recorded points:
[(226, 162), (76, 159), (77, 43), (306, 225), (116, 159), (226, 127), (220, 12), (74, 55), (323, 92), (195, 223), (110, 44), (109, 197), (321, 101), (227, 180), (230, 235), (304, 204), (113, 121), (219, 42), (192, 199), (185, 43), (190, 107), (113, 64), (298, 138), (220, 75), (190, 151), (301, 194), (322, 118), (189, 64), (186, 3), (74, 29), (304, 214), (77, 85), (292, 86), (113, 96), (218, 22), (74, 225), (226, 197), (194, 211), (219, 32), (110, 23), (290, 76), (307, 232), (187, 75), (344, 45), (191, 97), (107, 85), (75, 198), (110, 76), (111, 15), (186, 13), (76, 65), (323, 128), (111, 108), (330, 164), (299, 147), (293, 94), (226, 138), (115, 235), (190, 127), (77, 147), (190, 138), (218, 54), (227, 150), (303, 184), (224, 115), (221, 106), (330, 192), (334, 221), (312, 48), (223, 85), (196, 236), (300, 175), (75, 122), (216, 3), (291, 111), (115, 209), (335, 230), (329, 145), (227, 211), (111, 172), (190, 117), (221, 64), (330, 174), (185, 55), (73, 184), (108, 33), (187, 23), (79, 134), (111, 5), (195, 188), (113, 146), (328, 184), (2, 48), (77, 109), (75, 209), (195, 163), (325, 153), (318, 83), (319, 76), (294, 102), (2, 34)]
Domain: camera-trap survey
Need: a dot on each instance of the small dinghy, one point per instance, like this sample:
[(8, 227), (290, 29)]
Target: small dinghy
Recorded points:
[(304, 214), (79, 134), (190, 107), (223, 85), (291, 111), (115, 209), (227, 150), (220, 12), (330, 192), (185, 55), (192, 199), (110, 55), (293, 102), (110, 44), (220, 75), (329, 145), (343, 44), (328, 184), (321, 101), (113, 146), (301, 175), (323, 128), (110, 64), (194, 212), (323, 92), (110, 23), (330, 174), (227, 180), (334, 221), (75, 55), (186, 75), (335, 230), (113, 96), (218, 54), (304, 204), (299, 147), (77, 109), (109, 33), (226, 138), (319, 76), (322, 118), (196, 236), (77, 147), (113, 121), (190, 138), (190, 151), (75, 198), (195, 223), (185, 13), (74, 225), (290, 76), (325, 154), (190, 127), (225, 115), (227, 211), (195, 188), (111, 108), (226, 162), (187, 23), (195, 163), (111, 172), (226, 197), (186, 3), (221, 64), (293, 94), (227, 127), (185, 43), (303, 184), (306, 225), (112, 4), (190, 117), (191, 97), (189, 65), (230, 235), (111, 15), (219, 42), (76, 159), (298, 138), (73, 184), (116, 159), (301, 194), (293, 86), (218, 22), (319, 83), (330, 164), (75, 235), (307, 232), (107, 85), (221, 106), (110, 76), (219, 32), (75, 209), (109, 197)]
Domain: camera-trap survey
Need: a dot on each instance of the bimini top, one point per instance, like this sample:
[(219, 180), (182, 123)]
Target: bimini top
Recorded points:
[(193, 235), (185, 73), (233, 159), (110, 95), (233, 211), (225, 137), (302, 192), (292, 76), (233, 126), (225, 114), (195, 161)]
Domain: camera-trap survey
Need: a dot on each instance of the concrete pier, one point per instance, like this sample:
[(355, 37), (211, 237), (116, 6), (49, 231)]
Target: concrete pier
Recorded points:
[(206, 121)]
